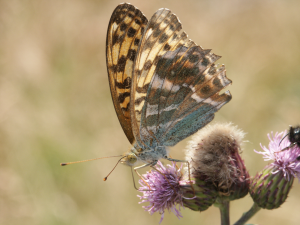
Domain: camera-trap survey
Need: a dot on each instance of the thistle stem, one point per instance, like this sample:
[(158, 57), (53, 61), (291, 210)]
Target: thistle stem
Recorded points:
[(246, 216), (223, 206)]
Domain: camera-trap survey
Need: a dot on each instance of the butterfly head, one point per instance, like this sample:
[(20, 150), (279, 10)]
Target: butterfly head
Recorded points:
[(129, 159)]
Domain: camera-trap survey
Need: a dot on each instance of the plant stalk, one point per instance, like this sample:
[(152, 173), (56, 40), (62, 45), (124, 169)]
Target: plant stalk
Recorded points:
[(246, 216), (223, 206)]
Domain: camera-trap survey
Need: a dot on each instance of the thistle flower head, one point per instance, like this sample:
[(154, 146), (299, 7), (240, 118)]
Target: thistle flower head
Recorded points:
[(161, 188), (214, 153), (286, 160)]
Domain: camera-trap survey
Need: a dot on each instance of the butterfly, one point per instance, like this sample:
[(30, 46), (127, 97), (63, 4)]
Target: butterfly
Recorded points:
[(294, 138), (164, 87)]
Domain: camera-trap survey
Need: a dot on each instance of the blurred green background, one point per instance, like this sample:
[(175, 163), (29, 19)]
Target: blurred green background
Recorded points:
[(55, 105)]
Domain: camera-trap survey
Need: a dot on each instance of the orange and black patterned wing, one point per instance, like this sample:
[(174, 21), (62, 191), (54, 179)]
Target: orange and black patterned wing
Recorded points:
[(124, 33)]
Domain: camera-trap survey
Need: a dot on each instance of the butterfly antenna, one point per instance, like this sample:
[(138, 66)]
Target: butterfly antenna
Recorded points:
[(105, 178), (68, 163), (283, 138)]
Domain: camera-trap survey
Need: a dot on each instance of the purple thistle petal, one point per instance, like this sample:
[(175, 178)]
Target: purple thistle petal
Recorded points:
[(285, 161), (164, 193)]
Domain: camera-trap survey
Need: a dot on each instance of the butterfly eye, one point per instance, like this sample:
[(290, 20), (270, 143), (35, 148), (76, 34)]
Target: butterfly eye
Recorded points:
[(131, 159)]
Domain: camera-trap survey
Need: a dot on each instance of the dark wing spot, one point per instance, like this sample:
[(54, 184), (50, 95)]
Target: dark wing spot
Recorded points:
[(205, 90), (122, 96), (167, 47), (138, 72), (201, 78), (131, 54), (143, 89), (217, 82), (131, 32), (139, 100), (144, 19), (156, 33), (127, 107), (172, 28), (136, 41), (115, 68), (115, 39), (147, 65), (156, 60), (139, 14), (118, 20), (125, 84), (174, 36), (123, 27), (194, 58), (167, 20), (183, 35), (205, 61), (131, 8), (149, 44), (163, 38), (138, 22), (121, 63), (212, 70)]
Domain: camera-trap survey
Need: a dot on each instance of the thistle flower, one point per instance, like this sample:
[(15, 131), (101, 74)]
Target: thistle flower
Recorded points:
[(215, 157), (166, 189), (270, 187), (161, 188), (285, 161)]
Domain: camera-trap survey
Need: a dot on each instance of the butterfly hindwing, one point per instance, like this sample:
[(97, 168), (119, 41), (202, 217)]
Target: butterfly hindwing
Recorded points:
[(163, 33), (183, 94), (124, 33)]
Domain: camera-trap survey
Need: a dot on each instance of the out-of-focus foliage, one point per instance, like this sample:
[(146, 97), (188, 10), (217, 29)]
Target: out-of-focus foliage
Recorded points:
[(55, 104)]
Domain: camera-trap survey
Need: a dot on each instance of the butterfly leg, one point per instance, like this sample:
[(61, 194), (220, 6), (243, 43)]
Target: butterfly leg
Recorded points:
[(145, 165), (133, 179), (140, 176), (184, 161)]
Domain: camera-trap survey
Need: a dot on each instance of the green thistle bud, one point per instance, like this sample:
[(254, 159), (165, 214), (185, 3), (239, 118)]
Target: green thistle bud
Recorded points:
[(199, 197), (270, 188)]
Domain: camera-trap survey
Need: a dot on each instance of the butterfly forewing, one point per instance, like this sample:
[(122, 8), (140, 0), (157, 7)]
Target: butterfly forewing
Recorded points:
[(124, 33)]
